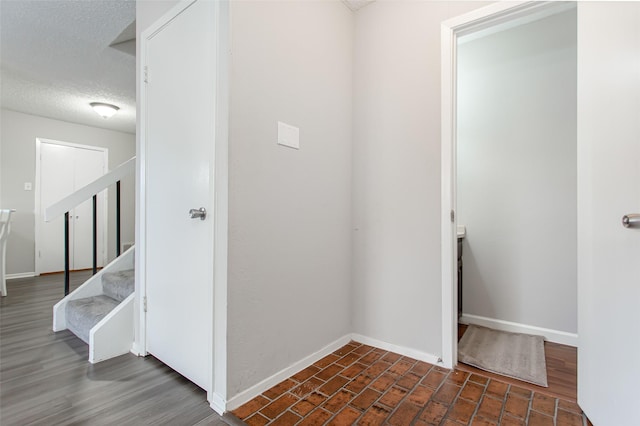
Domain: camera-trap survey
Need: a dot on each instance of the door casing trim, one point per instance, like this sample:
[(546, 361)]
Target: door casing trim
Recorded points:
[(217, 392), (37, 188), (477, 20)]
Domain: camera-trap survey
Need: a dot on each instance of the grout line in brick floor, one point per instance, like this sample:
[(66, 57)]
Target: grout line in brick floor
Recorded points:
[(353, 378), (328, 398), (504, 401), (453, 401), (409, 391), (381, 393), (418, 383), (442, 383), (394, 409), (361, 391), (349, 381), (529, 408), (484, 390)]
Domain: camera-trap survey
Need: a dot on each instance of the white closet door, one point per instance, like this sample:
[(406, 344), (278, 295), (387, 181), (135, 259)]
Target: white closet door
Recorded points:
[(89, 165), (56, 182), (64, 168)]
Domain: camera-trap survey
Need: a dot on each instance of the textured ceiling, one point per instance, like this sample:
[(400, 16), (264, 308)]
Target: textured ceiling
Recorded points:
[(55, 59)]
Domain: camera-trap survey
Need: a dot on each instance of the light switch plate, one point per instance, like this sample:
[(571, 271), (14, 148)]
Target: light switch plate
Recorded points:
[(288, 135), (27, 186)]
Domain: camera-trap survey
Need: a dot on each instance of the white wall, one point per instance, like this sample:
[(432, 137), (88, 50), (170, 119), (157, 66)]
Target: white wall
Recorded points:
[(396, 171), (18, 133), (290, 210), (344, 234), (517, 173), (147, 12)]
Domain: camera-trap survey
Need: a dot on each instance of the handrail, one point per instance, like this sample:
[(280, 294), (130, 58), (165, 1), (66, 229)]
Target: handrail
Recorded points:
[(5, 223), (5, 230), (5, 215), (88, 191), (80, 196)]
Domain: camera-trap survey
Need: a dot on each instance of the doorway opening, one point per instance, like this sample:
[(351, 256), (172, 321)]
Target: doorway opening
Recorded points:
[(474, 158)]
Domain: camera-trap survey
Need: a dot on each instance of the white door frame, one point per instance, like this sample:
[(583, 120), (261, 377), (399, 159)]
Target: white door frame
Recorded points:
[(105, 197), (451, 30), (217, 395)]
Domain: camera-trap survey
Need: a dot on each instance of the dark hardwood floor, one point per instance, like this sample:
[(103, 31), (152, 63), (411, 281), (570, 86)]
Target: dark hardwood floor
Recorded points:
[(45, 378), (562, 371)]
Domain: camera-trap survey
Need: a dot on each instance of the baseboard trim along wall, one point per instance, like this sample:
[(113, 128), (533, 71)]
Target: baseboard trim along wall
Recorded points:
[(20, 275), (255, 390), (218, 404), (135, 350), (555, 336), (243, 397), (402, 350)]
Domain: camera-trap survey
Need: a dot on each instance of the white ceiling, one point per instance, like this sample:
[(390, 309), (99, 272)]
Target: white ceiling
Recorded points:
[(55, 59)]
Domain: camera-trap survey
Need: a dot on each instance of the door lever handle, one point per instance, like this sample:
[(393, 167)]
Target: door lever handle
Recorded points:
[(631, 220), (198, 213)]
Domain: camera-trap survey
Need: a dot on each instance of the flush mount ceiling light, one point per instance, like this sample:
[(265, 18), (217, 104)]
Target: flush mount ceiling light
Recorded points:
[(104, 110)]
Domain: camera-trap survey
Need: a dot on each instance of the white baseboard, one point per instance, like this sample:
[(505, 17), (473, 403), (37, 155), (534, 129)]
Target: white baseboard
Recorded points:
[(135, 349), (556, 336), (402, 350), (255, 390), (218, 404), (20, 275)]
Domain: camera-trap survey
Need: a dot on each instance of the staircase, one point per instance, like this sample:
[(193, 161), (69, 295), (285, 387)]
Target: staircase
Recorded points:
[(100, 311), (84, 314)]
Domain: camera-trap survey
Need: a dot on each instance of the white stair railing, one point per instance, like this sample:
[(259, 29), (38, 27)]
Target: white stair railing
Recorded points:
[(5, 230), (80, 196)]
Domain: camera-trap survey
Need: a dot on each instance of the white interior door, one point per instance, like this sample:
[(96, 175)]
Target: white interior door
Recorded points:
[(56, 182), (179, 134), (89, 165), (608, 188), (64, 168)]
